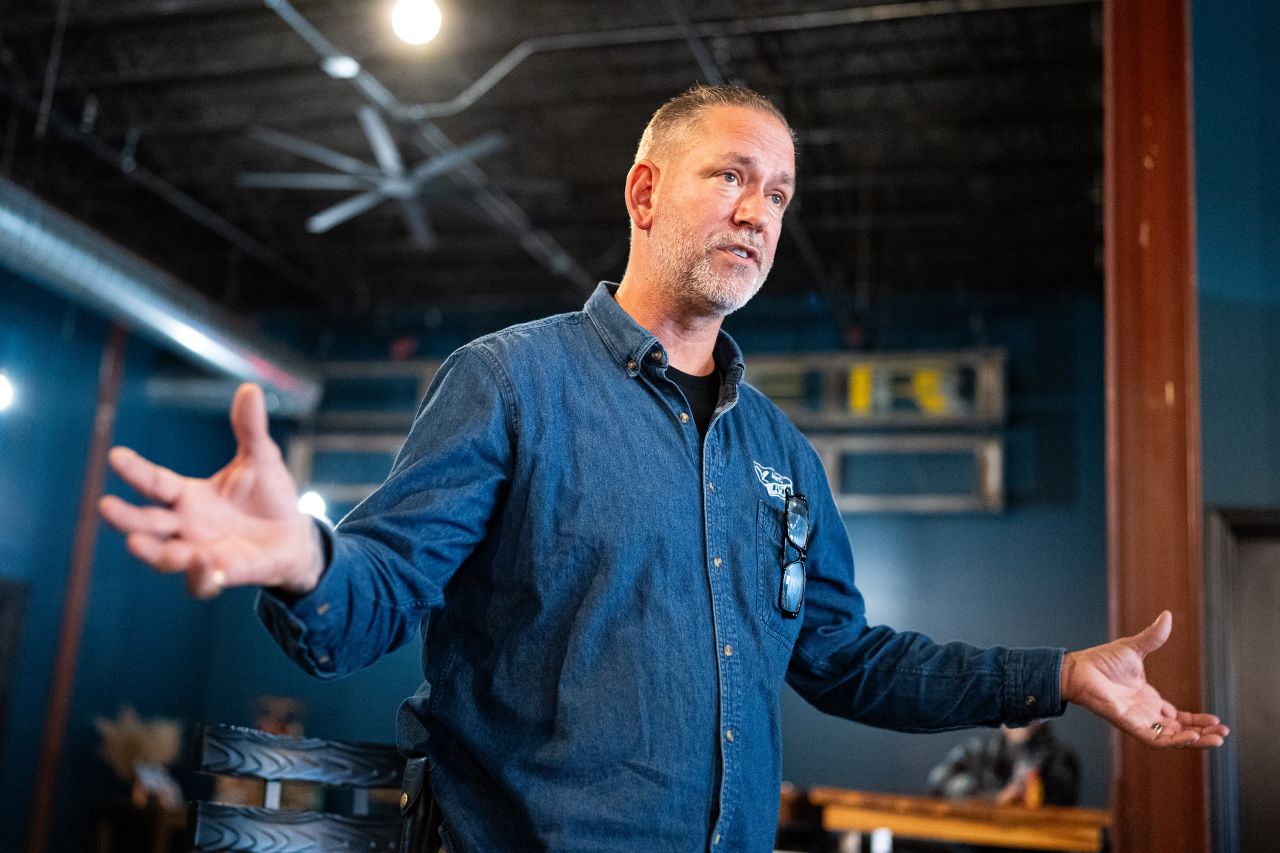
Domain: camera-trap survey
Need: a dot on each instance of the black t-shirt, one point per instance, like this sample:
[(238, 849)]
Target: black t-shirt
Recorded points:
[(702, 392)]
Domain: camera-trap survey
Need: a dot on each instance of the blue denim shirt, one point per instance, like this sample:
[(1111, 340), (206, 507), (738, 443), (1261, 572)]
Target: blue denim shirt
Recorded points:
[(597, 587)]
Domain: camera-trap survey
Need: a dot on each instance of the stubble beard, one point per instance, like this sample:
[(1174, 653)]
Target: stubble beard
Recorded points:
[(685, 271)]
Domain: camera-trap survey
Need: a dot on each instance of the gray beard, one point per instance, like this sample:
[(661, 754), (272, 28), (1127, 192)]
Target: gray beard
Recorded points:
[(685, 273)]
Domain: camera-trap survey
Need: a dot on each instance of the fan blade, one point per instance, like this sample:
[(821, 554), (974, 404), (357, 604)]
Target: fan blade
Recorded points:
[(311, 151), (473, 150), (302, 181), (384, 147), (342, 211), (415, 219)]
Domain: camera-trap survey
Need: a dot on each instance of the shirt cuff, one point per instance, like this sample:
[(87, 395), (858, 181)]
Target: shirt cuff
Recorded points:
[(1032, 685), (308, 627)]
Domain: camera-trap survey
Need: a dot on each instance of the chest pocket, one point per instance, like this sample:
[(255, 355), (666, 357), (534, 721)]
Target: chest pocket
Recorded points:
[(769, 519)]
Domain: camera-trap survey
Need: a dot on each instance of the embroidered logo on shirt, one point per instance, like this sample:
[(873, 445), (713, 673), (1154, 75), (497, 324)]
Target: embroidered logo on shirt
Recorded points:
[(774, 483)]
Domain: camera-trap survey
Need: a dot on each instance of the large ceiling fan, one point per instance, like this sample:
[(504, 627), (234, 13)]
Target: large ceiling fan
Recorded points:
[(372, 184)]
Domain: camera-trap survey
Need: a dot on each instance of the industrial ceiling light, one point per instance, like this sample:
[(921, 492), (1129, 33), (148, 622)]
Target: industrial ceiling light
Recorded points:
[(6, 392), (416, 21), (340, 67)]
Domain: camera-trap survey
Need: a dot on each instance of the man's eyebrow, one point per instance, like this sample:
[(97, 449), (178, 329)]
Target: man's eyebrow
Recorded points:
[(784, 178)]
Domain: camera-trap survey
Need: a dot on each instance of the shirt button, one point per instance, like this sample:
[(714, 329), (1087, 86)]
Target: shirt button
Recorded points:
[(717, 562), (684, 419), (323, 659), (631, 364), (715, 840), (728, 650), (656, 355), (711, 487), (1030, 700), (728, 735), (322, 609)]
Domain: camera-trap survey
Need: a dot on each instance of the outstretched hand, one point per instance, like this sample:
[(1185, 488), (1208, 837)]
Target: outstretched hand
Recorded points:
[(1110, 680), (240, 526)]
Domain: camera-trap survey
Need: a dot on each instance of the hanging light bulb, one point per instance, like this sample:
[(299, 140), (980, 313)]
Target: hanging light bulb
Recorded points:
[(416, 21), (312, 504), (6, 392)]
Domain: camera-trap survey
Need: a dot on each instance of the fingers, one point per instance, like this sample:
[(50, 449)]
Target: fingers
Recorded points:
[(1182, 730), (155, 521), (206, 576), (166, 555), (150, 480), (1200, 721), (249, 421), (1154, 635)]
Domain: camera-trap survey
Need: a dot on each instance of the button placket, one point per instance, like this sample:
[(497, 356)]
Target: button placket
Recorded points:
[(723, 616)]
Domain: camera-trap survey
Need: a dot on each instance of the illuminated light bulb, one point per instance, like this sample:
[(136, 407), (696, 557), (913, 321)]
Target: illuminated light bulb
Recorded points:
[(340, 67), (312, 504), (416, 21), (6, 392)]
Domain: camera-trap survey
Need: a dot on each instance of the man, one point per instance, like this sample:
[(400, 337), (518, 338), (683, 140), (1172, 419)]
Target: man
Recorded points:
[(1026, 765), (616, 550)]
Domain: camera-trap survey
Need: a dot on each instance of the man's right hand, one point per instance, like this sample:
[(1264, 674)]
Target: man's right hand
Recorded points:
[(240, 526)]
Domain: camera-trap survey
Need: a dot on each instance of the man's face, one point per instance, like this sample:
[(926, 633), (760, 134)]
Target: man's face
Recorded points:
[(718, 209)]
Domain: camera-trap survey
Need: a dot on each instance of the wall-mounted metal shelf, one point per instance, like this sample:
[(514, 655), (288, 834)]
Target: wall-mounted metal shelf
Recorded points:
[(897, 432)]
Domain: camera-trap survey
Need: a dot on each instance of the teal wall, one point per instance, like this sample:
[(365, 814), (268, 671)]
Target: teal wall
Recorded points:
[(1237, 160), (144, 642)]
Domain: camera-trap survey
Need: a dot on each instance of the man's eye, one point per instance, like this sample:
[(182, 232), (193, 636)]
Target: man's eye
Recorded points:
[(729, 177), (777, 199)]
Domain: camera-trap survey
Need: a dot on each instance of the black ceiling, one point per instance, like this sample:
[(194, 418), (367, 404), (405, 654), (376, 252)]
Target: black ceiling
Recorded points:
[(943, 145)]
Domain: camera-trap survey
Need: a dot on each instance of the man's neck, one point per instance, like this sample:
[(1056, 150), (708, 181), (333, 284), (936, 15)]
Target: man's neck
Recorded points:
[(689, 338)]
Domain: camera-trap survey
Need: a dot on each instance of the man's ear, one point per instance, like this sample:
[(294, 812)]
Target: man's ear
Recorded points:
[(642, 181)]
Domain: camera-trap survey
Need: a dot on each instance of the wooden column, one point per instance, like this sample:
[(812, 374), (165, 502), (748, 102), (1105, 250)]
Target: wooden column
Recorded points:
[(44, 806), (1153, 427)]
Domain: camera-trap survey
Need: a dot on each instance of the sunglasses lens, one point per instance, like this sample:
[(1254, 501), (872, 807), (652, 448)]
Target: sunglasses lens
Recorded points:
[(791, 595), (798, 522)]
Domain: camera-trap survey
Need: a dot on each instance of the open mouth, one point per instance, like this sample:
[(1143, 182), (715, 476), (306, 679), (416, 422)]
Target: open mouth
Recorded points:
[(744, 252)]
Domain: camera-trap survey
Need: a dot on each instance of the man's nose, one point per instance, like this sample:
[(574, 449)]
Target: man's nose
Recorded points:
[(750, 211)]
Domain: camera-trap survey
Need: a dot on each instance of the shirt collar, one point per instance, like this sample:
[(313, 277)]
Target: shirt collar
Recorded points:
[(631, 344)]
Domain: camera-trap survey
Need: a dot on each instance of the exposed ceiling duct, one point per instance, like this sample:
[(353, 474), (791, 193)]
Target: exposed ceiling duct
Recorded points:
[(80, 264)]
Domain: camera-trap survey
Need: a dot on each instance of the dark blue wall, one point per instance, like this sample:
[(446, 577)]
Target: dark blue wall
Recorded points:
[(144, 642), (1033, 575), (1237, 159)]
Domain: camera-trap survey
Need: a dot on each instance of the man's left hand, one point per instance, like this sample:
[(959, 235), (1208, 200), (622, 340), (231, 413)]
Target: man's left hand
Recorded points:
[(1110, 681)]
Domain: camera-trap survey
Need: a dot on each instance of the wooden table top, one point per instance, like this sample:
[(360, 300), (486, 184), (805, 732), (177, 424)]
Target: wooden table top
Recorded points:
[(966, 821)]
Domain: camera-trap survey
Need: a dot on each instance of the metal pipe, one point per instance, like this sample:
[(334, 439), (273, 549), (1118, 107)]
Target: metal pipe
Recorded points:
[(699, 50), (749, 26), (82, 265)]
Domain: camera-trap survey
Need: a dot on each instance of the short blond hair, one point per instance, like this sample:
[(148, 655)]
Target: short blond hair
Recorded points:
[(678, 117)]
